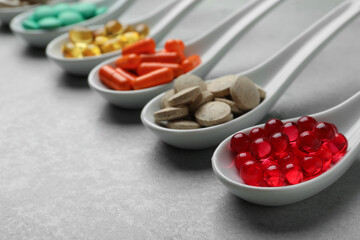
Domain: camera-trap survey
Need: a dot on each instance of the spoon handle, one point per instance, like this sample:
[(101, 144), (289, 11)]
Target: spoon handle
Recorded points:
[(277, 73), (213, 44)]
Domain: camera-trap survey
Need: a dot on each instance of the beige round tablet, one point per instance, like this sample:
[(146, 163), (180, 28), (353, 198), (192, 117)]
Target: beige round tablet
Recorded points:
[(164, 103), (220, 87), (188, 80), (262, 92), (204, 97), (245, 94), (171, 113), (183, 124), (213, 113), (234, 108), (184, 96)]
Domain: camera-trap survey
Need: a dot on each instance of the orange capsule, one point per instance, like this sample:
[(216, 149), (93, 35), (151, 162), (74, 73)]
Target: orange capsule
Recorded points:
[(130, 61), (174, 45), (146, 45), (164, 57), (112, 79), (191, 62), (147, 67), (154, 78), (129, 76)]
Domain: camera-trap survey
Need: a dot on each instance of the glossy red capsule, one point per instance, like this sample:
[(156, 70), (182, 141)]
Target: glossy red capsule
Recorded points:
[(306, 123), (260, 148), (265, 162), (256, 133), (308, 142), (279, 142), (338, 144), (287, 157), (272, 126), (325, 154), (293, 174), (241, 158), (273, 176), (240, 142), (251, 173), (324, 131), (291, 129), (311, 165)]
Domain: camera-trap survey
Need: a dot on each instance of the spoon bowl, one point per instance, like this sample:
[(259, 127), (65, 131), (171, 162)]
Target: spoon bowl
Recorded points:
[(274, 196), (160, 21), (40, 38), (274, 76), (210, 46)]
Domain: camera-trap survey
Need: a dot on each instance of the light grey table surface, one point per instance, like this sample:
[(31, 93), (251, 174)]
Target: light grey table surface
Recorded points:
[(74, 167)]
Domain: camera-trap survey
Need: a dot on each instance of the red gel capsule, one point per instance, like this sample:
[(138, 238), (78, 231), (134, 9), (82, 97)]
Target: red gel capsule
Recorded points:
[(273, 126), (240, 142), (146, 45), (338, 144), (324, 131), (251, 173), (293, 174), (291, 129), (131, 61), (265, 162), (325, 154), (260, 148), (279, 142), (273, 176), (241, 158), (286, 158), (256, 133), (334, 127), (306, 123), (311, 165), (308, 142)]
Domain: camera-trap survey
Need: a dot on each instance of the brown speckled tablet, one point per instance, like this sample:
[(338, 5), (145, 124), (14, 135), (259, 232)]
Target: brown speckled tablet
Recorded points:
[(184, 96), (220, 87), (188, 80), (245, 94), (234, 108), (213, 113), (183, 124), (171, 113), (203, 98), (165, 98)]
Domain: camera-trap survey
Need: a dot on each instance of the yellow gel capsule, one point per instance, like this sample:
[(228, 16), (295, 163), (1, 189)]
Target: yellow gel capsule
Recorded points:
[(127, 28), (142, 29), (100, 40), (81, 35), (91, 50), (130, 38), (100, 32), (113, 27), (71, 51), (112, 45)]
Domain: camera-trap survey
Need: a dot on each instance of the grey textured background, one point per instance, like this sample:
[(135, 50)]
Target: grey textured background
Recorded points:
[(74, 167)]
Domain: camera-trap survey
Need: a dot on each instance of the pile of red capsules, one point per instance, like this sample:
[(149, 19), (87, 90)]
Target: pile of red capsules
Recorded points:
[(288, 153)]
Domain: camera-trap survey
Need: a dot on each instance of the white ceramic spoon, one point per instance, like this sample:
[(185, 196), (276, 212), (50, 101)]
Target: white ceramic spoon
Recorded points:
[(211, 46), (346, 116), (8, 13), (274, 76), (40, 38), (159, 21)]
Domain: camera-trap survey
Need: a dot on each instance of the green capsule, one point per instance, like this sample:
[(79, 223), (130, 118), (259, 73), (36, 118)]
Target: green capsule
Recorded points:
[(49, 23), (61, 7), (87, 10), (43, 12), (100, 10), (70, 17), (30, 24)]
